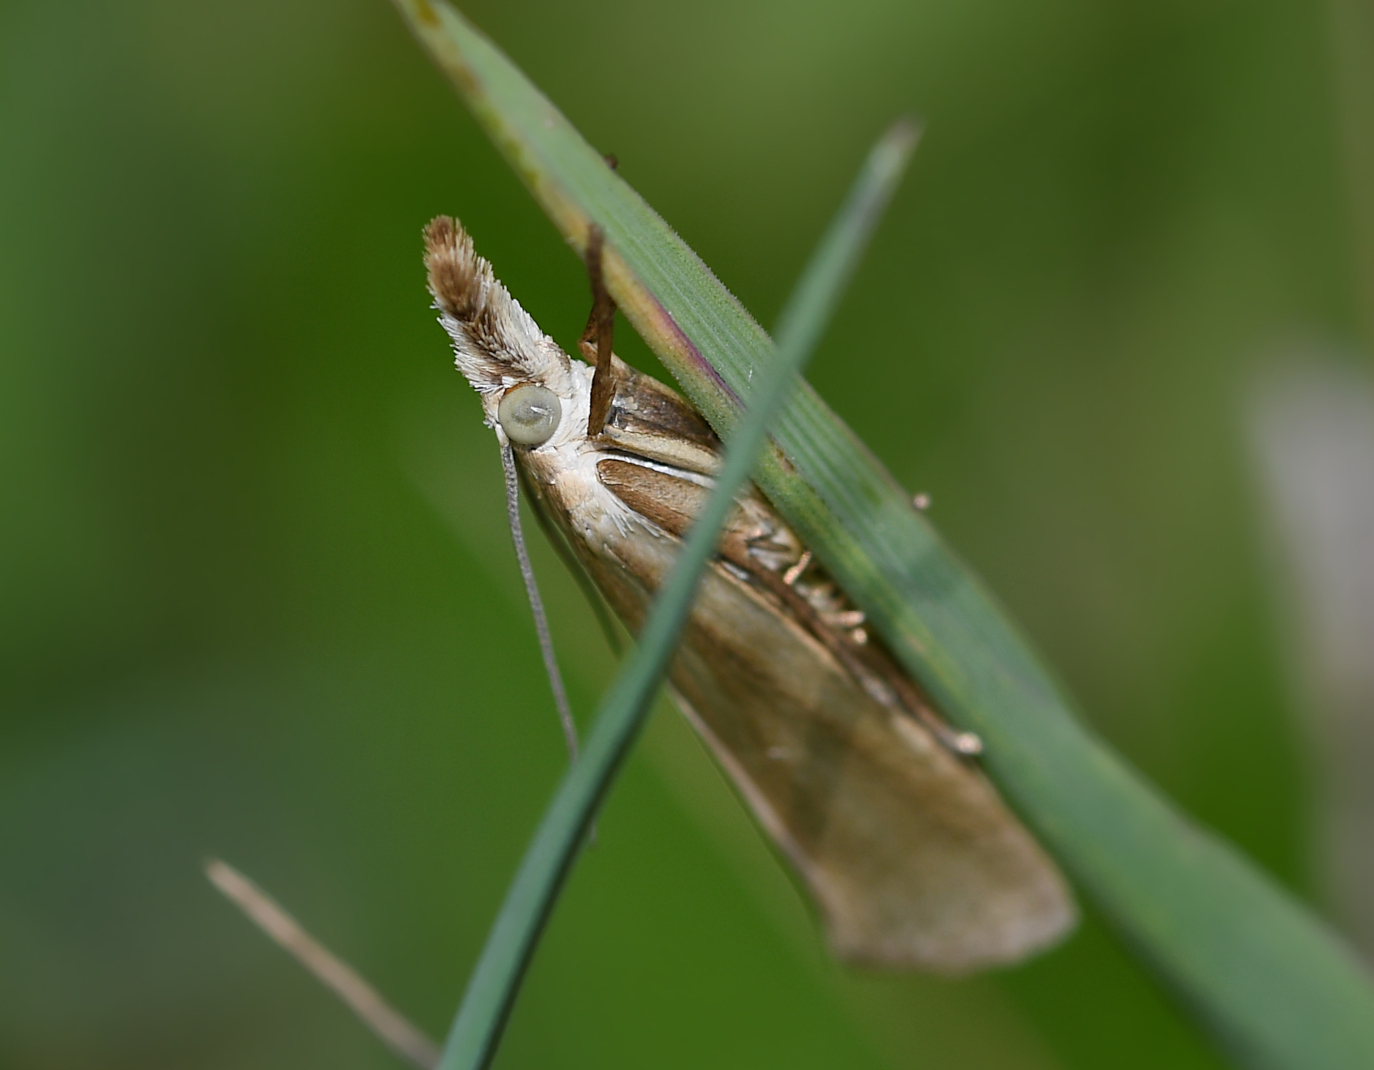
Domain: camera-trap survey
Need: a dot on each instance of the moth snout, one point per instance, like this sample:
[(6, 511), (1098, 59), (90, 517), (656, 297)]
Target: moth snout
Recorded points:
[(529, 414)]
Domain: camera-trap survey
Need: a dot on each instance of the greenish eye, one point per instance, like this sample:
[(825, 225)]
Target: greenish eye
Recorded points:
[(529, 414)]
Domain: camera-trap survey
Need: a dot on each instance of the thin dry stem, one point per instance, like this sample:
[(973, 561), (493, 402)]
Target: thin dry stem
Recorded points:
[(390, 1026)]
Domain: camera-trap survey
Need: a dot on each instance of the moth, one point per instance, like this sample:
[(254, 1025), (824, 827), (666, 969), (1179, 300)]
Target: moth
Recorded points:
[(909, 854)]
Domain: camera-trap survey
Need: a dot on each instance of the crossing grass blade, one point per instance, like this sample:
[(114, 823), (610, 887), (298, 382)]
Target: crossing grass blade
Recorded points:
[(1261, 973)]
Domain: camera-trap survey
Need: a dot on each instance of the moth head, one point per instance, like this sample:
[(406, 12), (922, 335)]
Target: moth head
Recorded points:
[(496, 344)]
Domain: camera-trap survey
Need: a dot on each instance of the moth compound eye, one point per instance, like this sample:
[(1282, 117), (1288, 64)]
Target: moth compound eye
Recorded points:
[(529, 414)]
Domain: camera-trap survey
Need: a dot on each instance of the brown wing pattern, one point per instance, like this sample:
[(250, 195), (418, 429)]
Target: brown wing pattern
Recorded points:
[(910, 854)]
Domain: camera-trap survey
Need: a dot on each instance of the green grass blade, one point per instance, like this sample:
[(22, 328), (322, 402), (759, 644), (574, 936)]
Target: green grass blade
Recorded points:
[(491, 992), (813, 300), (1260, 971)]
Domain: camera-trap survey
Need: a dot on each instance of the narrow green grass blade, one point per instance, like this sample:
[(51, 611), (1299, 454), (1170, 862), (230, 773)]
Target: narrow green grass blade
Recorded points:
[(813, 300), (1265, 976), (491, 992)]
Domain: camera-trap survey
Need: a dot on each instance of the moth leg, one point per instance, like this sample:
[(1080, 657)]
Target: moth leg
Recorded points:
[(595, 342), (736, 551), (875, 672), (967, 744), (791, 576)]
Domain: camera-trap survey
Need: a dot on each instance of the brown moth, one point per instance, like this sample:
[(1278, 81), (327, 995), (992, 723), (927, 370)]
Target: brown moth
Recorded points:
[(907, 850)]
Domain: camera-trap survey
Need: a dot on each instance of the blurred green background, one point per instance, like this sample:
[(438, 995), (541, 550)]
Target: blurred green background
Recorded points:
[(256, 592)]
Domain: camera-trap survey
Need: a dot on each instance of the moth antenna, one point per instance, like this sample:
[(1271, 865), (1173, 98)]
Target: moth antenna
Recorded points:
[(541, 621), (596, 339), (579, 574)]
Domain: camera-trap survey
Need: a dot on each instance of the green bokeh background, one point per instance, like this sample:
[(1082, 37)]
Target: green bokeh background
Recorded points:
[(256, 593)]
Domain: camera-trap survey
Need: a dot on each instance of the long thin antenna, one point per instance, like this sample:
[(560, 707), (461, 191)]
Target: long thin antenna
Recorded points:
[(541, 622), (366, 1002), (594, 598)]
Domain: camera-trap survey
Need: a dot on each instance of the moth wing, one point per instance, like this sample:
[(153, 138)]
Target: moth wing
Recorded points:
[(908, 851)]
